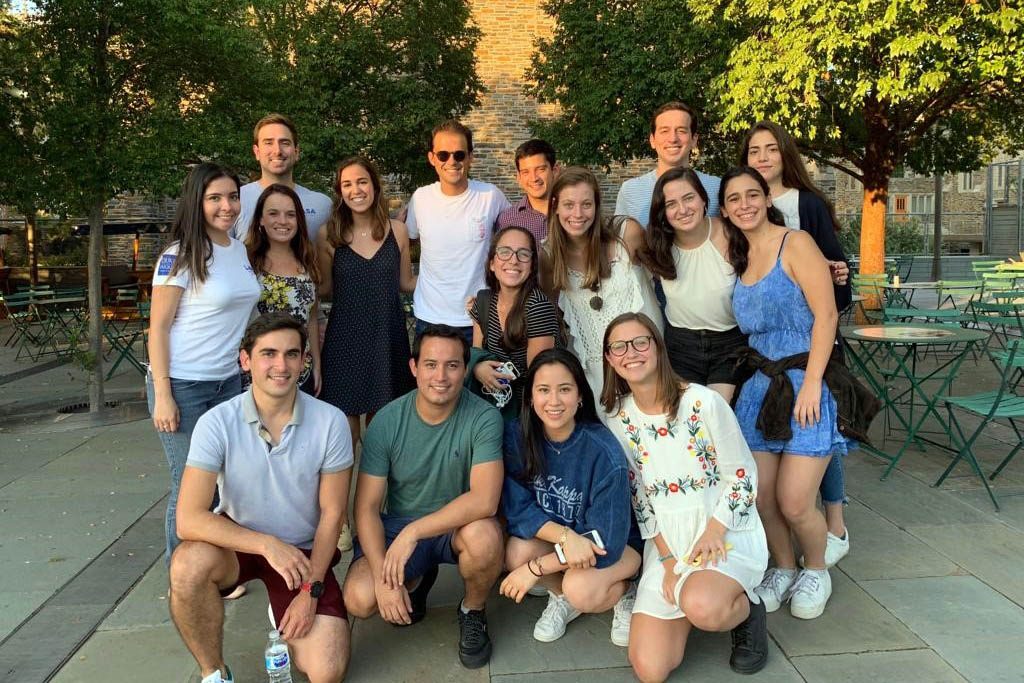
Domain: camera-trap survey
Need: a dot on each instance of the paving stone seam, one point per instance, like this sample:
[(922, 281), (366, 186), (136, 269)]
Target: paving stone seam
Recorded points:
[(78, 445), (11, 643)]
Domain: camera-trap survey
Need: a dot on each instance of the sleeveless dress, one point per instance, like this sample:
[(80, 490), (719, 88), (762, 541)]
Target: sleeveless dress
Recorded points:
[(627, 289), (365, 358), (775, 315), (683, 472), (291, 294)]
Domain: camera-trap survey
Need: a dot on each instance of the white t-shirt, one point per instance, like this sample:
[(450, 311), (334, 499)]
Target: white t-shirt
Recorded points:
[(211, 317), (316, 205), (454, 234), (635, 195), (789, 204)]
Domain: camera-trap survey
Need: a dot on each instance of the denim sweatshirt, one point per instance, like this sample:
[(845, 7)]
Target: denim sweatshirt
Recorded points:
[(585, 486)]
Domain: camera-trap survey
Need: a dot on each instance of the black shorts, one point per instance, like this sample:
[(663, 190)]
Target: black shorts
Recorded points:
[(704, 356)]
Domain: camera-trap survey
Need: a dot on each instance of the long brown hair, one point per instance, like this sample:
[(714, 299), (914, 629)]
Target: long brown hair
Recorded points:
[(738, 247), (257, 242), (195, 248), (515, 324), (339, 225), (656, 252), (794, 173), (600, 233), (670, 385)]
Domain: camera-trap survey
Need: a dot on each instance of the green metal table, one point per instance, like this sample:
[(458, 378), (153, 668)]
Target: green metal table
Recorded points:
[(892, 349)]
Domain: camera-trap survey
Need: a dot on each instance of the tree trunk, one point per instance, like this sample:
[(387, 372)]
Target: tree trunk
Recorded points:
[(937, 231), (32, 245), (877, 167), (96, 399)]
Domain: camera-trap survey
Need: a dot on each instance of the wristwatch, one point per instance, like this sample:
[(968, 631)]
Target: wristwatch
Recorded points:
[(315, 589)]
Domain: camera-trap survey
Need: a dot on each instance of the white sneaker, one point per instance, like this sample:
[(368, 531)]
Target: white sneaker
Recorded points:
[(556, 616), (836, 548), (774, 588), (538, 591), (621, 616), (810, 593), (216, 676)]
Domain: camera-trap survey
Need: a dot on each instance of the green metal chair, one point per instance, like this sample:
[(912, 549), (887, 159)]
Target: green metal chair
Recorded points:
[(1001, 404), (979, 267)]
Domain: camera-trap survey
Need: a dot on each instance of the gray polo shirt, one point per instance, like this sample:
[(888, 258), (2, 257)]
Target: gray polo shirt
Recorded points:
[(272, 489)]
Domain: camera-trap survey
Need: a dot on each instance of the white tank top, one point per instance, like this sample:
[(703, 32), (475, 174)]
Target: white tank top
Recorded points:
[(700, 298)]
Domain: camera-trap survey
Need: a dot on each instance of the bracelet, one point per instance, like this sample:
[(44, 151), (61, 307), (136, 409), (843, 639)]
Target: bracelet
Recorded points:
[(669, 556), (540, 569)]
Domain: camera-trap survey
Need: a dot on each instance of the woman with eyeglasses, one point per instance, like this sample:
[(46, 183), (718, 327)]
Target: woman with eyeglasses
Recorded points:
[(592, 266), (685, 249), (693, 483), (565, 477), (513, 320)]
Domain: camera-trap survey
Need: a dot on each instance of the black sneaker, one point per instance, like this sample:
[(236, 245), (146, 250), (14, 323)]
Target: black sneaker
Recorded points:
[(418, 596), (474, 643), (750, 642)]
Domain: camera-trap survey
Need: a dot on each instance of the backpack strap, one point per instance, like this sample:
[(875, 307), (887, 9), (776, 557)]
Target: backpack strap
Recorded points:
[(482, 309)]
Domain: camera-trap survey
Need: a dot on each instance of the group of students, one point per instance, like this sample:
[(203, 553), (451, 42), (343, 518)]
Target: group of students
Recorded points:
[(625, 472)]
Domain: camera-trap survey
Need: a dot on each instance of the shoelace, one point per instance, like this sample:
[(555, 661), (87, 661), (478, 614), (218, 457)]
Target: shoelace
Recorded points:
[(556, 604), (806, 582), (773, 582), (624, 607), (474, 630)]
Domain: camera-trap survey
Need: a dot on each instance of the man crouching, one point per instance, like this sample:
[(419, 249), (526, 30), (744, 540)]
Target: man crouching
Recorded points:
[(284, 459)]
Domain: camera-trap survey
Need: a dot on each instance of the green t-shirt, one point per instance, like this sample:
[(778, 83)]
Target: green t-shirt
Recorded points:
[(427, 466)]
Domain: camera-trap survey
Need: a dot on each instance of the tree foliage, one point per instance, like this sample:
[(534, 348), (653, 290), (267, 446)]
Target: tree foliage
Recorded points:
[(370, 77), (608, 65), (937, 85)]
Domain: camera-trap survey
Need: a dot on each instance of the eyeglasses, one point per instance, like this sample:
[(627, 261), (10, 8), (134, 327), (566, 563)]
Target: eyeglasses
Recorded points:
[(444, 155), (639, 344), (505, 253)]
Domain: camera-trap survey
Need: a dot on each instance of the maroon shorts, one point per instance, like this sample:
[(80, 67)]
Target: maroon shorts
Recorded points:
[(256, 567)]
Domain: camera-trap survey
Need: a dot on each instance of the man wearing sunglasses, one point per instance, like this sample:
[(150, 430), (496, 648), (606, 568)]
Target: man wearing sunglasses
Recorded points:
[(453, 220)]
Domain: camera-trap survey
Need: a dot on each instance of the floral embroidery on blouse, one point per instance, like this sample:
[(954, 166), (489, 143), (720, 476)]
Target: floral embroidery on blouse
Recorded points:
[(663, 487), (640, 454), (701, 447), (741, 496), (642, 508)]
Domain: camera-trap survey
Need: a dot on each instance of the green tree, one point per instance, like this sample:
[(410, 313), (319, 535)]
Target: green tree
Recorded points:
[(608, 65), (371, 77), (864, 85), (124, 95)]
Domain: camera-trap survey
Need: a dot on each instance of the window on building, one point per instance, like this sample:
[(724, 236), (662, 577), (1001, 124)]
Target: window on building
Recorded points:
[(897, 203), (922, 203), (999, 174), (965, 182)]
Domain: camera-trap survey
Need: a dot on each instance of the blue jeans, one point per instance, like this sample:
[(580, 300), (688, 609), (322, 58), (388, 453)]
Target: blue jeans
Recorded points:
[(833, 483), (194, 397), (467, 332)]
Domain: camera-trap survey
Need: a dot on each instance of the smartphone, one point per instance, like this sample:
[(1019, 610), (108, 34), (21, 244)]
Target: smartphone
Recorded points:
[(592, 535)]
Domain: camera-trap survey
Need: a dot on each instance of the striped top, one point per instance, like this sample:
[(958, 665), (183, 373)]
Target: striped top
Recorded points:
[(541, 321), (634, 198)]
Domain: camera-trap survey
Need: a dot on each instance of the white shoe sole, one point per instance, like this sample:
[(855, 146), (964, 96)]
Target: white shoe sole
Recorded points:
[(620, 642), (811, 613), (546, 638)]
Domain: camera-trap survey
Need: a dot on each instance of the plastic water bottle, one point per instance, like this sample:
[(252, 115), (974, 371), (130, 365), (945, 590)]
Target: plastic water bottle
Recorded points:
[(279, 669)]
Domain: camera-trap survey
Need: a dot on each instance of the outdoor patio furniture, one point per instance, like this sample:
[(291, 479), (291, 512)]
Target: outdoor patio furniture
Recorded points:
[(1001, 404), (886, 356), (122, 332)]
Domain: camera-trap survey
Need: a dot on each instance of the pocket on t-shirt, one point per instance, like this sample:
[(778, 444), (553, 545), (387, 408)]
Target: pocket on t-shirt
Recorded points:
[(477, 228)]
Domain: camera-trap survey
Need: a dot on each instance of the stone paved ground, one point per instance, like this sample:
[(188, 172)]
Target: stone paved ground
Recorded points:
[(932, 590)]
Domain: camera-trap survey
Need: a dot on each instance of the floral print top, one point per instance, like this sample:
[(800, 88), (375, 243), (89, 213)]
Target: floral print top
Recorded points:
[(685, 470), (292, 294)]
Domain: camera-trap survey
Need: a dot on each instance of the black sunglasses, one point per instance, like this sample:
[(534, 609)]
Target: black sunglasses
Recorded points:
[(444, 155)]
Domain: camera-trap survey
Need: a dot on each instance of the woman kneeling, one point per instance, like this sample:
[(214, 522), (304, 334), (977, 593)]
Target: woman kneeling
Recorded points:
[(693, 483), (565, 478)]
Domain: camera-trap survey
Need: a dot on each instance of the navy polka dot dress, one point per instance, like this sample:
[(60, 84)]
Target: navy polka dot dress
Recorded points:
[(365, 358)]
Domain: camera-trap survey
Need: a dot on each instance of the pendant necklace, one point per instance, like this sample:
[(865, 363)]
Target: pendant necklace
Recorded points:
[(596, 302)]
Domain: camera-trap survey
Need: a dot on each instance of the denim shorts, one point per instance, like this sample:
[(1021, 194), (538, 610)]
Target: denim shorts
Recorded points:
[(429, 552), (705, 356)]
